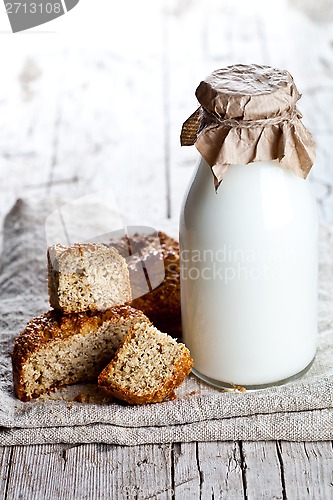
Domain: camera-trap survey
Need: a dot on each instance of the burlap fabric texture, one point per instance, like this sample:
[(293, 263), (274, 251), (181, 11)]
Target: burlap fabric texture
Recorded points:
[(298, 411)]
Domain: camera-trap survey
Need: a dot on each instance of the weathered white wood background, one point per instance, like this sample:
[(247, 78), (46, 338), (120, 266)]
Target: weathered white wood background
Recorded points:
[(86, 113)]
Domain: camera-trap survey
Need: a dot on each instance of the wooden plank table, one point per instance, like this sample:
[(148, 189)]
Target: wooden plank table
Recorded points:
[(76, 119)]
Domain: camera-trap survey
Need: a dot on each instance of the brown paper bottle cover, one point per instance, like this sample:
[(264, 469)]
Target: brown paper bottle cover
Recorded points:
[(248, 113)]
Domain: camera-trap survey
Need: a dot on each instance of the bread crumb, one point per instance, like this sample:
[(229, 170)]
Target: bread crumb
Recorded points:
[(238, 388), (80, 398)]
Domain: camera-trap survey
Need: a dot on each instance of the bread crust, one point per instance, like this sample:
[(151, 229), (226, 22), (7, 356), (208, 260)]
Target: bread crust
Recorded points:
[(181, 369), (54, 326), (162, 304)]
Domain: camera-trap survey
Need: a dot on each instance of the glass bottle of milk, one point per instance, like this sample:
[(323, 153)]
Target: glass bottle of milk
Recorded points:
[(248, 232)]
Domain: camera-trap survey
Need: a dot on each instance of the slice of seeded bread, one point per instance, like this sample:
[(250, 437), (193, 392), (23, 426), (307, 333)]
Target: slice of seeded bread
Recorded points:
[(86, 277), (147, 367), (57, 349)]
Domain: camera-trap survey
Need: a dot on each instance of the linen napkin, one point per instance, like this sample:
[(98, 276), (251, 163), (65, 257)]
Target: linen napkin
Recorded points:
[(298, 411)]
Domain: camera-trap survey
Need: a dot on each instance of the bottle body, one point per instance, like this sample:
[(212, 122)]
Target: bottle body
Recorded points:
[(249, 275)]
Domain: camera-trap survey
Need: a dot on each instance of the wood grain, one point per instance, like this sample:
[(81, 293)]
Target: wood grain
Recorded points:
[(248, 470), (263, 472), (221, 470), (308, 469), (186, 475), (5, 465), (92, 471), (35, 472)]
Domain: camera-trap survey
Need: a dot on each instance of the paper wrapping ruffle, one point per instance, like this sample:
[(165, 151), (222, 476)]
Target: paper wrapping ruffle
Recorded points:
[(248, 113), (299, 411)]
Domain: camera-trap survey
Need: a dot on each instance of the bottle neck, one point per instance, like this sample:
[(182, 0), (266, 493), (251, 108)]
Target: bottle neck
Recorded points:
[(204, 172)]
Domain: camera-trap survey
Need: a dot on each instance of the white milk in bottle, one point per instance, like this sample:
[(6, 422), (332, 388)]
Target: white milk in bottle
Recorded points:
[(248, 232)]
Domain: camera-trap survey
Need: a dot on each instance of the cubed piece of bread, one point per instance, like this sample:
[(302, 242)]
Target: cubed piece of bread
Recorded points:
[(147, 367), (86, 277), (57, 349)]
